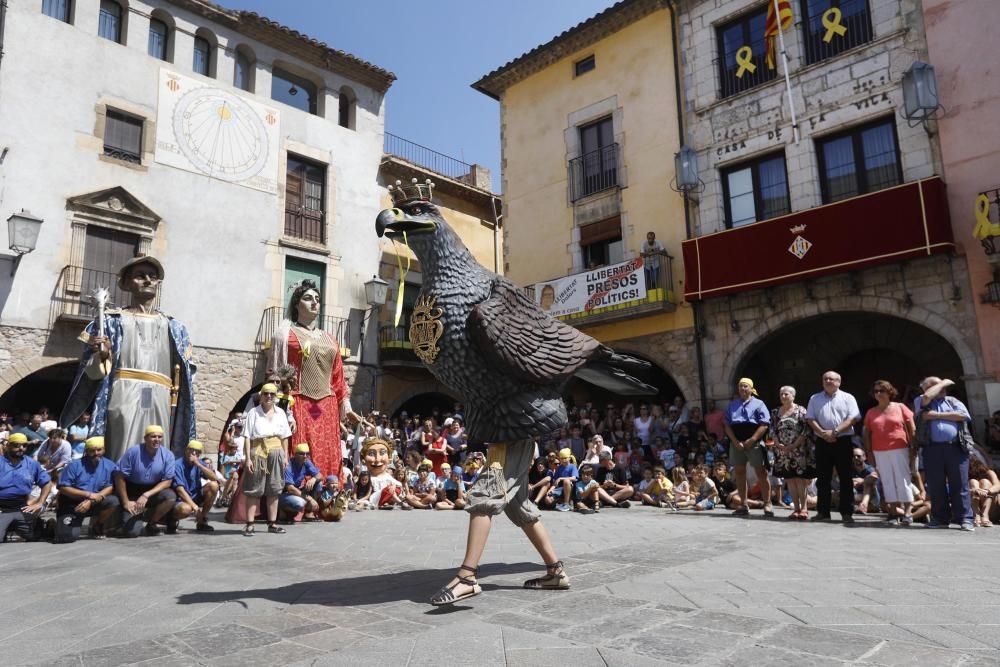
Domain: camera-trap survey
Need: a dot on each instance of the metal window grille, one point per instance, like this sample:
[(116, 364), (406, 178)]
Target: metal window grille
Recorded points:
[(595, 171), (123, 137)]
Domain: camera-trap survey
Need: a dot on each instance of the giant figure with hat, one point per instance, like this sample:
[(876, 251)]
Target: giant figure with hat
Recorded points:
[(508, 360), (136, 368)]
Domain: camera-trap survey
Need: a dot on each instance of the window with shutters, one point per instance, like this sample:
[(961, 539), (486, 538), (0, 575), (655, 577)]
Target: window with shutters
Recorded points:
[(105, 251), (58, 9), (601, 243), (305, 200), (202, 56), (110, 20), (158, 35), (596, 170), (123, 136)]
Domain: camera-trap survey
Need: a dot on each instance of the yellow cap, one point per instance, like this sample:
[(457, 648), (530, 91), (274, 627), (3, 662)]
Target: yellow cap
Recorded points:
[(302, 447), (445, 466), (153, 428), (269, 389), (97, 442), (427, 462), (195, 445), (18, 437), (565, 453)]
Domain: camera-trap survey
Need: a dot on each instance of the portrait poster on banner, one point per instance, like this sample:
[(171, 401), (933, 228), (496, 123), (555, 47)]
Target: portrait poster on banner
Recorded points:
[(598, 288)]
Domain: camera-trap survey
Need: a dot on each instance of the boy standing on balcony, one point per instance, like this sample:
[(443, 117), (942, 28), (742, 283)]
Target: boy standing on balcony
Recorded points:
[(651, 251)]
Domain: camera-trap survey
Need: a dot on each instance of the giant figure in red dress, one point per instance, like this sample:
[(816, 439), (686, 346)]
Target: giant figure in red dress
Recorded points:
[(321, 395)]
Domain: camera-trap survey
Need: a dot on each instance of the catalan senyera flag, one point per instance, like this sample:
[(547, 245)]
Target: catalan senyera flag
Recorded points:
[(771, 28)]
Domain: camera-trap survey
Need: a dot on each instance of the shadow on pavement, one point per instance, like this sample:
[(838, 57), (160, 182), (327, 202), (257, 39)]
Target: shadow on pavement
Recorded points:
[(413, 585)]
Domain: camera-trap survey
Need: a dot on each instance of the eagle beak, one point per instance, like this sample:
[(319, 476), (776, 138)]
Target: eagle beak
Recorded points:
[(394, 222)]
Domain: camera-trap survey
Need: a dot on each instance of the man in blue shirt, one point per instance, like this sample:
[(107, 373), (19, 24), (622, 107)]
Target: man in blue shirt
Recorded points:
[(193, 495), (831, 415), (18, 475), (946, 460), (86, 490), (300, 493), (142, 482), (747, 420)]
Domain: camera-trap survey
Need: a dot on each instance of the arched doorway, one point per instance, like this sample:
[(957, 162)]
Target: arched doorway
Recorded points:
[(426, 404), (47, 387), (578, 392), (862, 347)]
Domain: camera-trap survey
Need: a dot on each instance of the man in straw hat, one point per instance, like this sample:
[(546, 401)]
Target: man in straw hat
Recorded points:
[(946, 459), (18, 475), (86, 489), (136, 366), (747, 420), (142, 482)]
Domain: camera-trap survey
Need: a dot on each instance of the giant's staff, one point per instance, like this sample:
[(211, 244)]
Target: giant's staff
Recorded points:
[(99, 298)]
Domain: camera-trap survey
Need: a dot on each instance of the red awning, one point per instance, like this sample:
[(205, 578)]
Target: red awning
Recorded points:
[(891, 225)]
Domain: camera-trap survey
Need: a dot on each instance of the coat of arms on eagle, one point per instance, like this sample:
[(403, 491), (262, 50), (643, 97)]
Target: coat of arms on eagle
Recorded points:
[(508, 360)]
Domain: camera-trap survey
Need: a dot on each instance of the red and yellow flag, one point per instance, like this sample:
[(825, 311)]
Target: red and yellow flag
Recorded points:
[(771, 28)]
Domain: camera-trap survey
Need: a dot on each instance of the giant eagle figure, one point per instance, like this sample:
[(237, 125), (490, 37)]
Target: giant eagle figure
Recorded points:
[(507, 359)]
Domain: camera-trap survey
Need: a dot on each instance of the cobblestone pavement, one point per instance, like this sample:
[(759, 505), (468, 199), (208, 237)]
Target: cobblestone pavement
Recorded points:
[(648, 588)]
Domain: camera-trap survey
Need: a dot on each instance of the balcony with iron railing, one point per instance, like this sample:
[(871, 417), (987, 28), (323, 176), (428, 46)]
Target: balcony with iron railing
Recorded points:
[(660, 296), (271, 318), (595, 172), (426, 157), (71, 298), (395, 348)]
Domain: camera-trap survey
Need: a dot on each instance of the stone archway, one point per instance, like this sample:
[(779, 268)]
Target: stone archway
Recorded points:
[(418, 390), (23, 371), (971, 363)]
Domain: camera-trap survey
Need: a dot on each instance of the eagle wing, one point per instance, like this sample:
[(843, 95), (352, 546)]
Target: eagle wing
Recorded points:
[(518, 338)]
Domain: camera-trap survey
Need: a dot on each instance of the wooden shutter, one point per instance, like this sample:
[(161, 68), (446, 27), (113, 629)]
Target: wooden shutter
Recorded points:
[(605, 230)]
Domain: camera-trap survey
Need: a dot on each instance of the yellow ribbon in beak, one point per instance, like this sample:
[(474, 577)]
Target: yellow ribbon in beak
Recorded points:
[(402, 278)]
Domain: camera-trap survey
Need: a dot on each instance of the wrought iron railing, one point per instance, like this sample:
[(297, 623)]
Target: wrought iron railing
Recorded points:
[(595, 171), (735, 77), (991, 244), (857, 30), (271, 318), (425, 157), (123, 154), (72, 295), (394, 345)]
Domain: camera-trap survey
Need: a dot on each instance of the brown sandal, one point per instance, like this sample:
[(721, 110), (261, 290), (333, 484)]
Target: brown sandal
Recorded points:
[(555, 579), (447, 594)]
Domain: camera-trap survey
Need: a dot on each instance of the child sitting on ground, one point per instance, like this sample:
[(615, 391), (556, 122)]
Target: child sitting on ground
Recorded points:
[(660, 493), (644, 483), (682, 493), (585, 491), (454, 491), (704, 495), (423, 493)]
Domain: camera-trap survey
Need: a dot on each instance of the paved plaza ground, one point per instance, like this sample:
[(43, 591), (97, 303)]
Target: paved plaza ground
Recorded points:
[(648, 588)]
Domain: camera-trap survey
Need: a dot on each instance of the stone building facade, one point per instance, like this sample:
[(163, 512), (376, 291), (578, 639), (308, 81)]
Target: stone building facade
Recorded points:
[(106, 151), (823, 271)]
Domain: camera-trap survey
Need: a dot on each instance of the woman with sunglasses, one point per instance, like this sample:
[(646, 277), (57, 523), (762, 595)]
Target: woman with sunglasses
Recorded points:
[(889, 431), (266, 446)]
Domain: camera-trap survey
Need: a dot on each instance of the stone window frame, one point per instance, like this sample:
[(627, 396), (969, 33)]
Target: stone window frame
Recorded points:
[(855, 131), (762, 75), (148, 132), (753, 163)]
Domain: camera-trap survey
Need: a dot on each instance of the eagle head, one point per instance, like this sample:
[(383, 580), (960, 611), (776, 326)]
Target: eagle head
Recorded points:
[(426, 232)]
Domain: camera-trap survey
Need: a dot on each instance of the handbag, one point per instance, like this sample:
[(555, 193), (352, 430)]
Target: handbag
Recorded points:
[(965, 438)]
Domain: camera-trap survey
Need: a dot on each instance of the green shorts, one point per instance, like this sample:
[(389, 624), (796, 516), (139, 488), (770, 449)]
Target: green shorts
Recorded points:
[(740, 457)]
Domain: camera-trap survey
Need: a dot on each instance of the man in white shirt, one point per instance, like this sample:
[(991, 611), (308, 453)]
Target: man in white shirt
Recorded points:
[(651, 251), (831, 415)]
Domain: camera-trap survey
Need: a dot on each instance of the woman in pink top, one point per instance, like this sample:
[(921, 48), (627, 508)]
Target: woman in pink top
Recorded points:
[(889, 431)]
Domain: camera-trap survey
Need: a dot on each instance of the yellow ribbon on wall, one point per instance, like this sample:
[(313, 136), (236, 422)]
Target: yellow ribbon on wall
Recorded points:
[(984, 228), (831, 21), (743, 56)]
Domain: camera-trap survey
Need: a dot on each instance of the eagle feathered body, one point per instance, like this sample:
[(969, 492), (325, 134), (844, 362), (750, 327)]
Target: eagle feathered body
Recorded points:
[(506, 358)]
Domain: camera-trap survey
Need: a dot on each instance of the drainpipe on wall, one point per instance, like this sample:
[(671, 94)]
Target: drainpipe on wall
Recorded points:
[(695, 306), (3, 22), (497, 251)]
